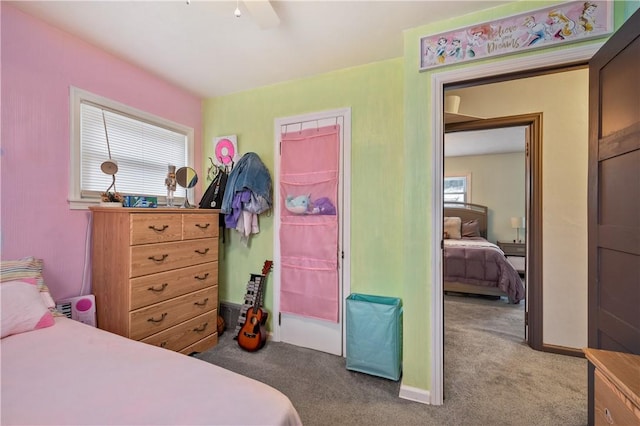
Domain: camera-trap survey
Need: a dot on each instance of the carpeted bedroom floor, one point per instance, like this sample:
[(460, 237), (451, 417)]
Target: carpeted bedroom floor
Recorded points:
[(491, 377)]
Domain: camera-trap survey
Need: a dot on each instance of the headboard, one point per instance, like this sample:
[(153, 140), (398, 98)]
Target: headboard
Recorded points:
[(467, 212)]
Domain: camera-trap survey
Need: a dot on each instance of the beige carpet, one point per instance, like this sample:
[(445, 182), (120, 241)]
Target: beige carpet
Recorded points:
[(491, 377), (489, 366)]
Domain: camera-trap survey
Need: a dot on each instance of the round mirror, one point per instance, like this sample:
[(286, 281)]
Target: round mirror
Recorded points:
[(187, 178)]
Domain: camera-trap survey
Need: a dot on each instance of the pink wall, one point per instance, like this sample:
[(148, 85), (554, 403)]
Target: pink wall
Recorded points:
[(39, 63)]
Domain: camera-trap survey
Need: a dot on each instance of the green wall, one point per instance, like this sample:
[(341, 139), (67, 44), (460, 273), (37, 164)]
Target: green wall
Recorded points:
[(374, 93), (418, 176), (391, 173)]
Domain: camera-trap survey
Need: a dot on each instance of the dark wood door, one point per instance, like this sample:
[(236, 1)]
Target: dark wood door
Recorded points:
[(614, 195)]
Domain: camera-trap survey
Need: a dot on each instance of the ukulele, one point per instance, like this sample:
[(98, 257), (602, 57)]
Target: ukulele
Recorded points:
[(253, 334)]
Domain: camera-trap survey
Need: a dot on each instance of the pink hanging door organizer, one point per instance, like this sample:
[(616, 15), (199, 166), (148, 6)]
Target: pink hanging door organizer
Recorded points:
[(309, 223)]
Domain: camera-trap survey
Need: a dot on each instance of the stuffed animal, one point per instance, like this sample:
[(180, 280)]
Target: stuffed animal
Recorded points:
[(323, 206), (297, 205)]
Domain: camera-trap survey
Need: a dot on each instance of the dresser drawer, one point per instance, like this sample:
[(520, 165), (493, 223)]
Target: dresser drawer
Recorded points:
[(199, 226), (201, 346), (155, 228), (187, 333), (153, 258), (162, 286), (611, 406), (153, 319)]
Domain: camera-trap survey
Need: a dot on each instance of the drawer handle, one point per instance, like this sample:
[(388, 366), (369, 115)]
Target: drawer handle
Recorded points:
[(203, 327), (158, 290), (162, 317), (607, 416), (203, 303), (205, 226), (201, 278), (158, 229), (205, 251), (155, 259)]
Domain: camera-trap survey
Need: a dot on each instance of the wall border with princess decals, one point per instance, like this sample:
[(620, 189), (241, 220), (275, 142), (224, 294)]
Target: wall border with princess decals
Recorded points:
[(560, 24)]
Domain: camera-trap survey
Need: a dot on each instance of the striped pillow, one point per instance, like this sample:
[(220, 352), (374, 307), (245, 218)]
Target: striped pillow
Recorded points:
[(28, 267)]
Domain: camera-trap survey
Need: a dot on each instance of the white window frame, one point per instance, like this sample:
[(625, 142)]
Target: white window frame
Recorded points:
[(77, 96), (466, 194)]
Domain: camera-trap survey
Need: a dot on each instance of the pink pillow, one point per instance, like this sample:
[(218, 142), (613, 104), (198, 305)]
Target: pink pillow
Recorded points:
[(27, 267), (22, 307)]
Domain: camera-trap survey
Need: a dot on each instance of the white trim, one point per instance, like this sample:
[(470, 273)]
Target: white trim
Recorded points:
[(415, 394), (438, 80), (344, 194), (76, 96)]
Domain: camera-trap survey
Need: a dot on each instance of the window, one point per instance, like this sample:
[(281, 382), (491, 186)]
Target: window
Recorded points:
[(143, 145), (457, 188)]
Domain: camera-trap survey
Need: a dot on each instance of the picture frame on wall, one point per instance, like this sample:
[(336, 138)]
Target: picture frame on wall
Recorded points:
[(225, 149), (560, 24)]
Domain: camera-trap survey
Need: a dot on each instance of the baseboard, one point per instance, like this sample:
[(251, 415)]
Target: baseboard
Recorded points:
[(562, 350), (414, 394)]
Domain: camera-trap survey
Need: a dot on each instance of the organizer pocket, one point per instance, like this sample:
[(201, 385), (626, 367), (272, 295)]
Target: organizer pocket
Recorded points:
[(309, 194), (313, 237), (309, 287)]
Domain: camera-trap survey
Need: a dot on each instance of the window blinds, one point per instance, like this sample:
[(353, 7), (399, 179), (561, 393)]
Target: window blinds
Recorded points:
[(143, 152)]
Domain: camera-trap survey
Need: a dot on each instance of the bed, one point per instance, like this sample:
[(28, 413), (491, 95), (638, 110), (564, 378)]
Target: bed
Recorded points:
[(473, 265), (59, 371)]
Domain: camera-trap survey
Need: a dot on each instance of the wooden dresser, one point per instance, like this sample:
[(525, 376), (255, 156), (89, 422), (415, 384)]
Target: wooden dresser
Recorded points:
[(616, 387), (155, 275)]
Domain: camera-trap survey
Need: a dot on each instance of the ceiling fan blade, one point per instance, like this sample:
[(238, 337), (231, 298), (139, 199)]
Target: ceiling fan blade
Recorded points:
[(262, 13)]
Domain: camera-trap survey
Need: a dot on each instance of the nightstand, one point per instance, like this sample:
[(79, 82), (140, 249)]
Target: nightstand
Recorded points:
[(515, 254), (512, 249)]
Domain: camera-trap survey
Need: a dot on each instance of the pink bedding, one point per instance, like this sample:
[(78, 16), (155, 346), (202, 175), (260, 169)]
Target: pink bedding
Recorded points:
[(72, 373), (477, 261)]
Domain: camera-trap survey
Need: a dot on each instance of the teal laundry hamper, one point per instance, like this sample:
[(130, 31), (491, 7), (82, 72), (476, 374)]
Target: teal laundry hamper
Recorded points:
[(374, 335)]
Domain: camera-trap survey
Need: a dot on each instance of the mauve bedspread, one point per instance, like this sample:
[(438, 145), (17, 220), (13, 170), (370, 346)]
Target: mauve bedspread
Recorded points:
[(479, 262)]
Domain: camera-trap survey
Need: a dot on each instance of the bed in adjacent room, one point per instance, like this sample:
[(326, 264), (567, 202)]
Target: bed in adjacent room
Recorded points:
[(472, 264), (57, 371)]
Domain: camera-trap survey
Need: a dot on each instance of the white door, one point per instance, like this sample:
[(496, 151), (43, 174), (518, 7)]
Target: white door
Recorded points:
[(322, 335)]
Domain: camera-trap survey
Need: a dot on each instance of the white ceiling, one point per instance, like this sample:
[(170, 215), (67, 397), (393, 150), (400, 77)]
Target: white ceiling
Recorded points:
[(203, 48), (480, 142)]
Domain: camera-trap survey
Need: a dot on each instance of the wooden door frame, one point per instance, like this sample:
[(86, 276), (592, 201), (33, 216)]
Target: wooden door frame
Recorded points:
[(516, 66), (533, 199)]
